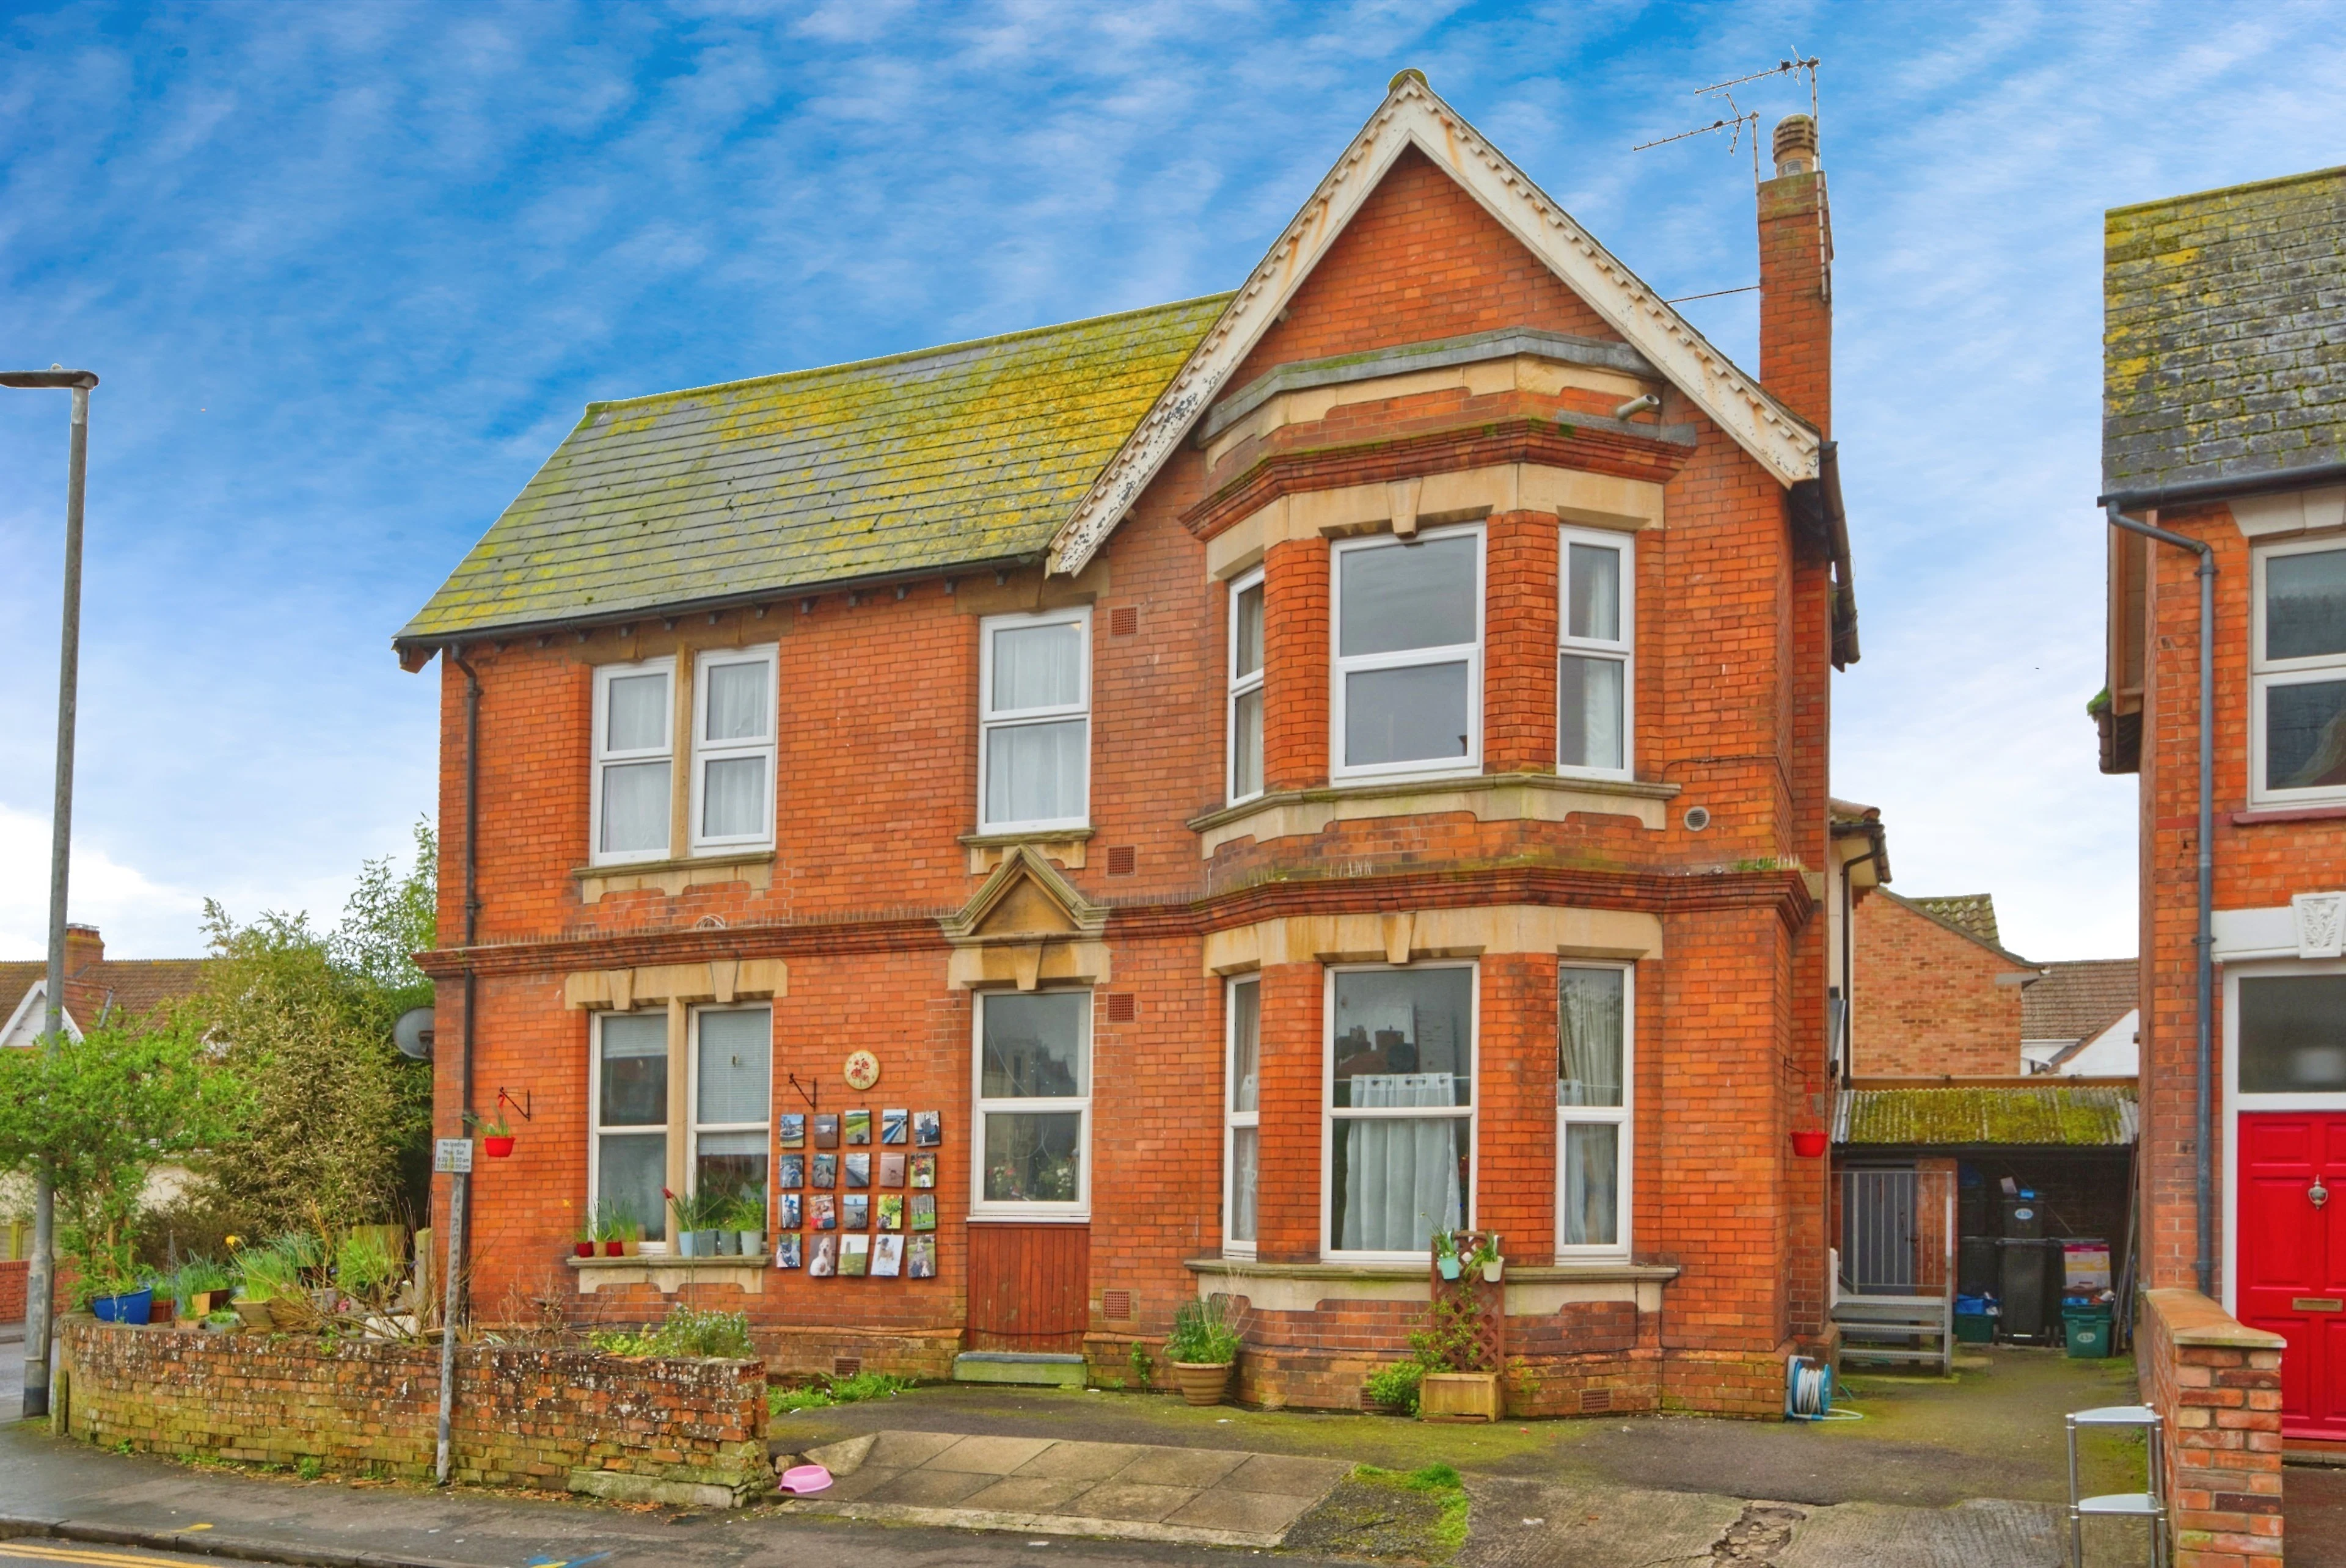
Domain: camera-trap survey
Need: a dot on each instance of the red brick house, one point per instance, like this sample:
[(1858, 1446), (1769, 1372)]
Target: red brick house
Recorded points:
[(1257, 780), (2224, 426), (1937, 993)]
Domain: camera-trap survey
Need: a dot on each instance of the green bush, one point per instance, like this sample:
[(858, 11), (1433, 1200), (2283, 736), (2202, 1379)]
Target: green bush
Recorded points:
[(836, 1391), (362, 1266), (1396, 1387), (687, 1334), (1202, 1335)]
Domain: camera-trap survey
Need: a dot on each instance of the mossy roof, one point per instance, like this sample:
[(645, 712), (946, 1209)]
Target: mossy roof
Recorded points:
[(2224, 317), (975, 451), (2078, 1116)]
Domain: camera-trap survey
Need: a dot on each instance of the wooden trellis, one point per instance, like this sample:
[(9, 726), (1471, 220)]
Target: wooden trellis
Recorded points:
[(1480, 1306)]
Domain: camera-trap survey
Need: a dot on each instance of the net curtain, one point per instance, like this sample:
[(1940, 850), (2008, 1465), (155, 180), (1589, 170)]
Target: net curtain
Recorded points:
[(1400, 1176)]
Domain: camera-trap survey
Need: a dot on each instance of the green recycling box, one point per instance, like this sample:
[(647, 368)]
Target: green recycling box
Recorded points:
[(2087, 1329)]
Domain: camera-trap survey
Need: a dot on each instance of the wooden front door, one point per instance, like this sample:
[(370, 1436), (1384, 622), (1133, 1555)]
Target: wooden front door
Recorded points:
[(2293, 1258), (1029, 1287)]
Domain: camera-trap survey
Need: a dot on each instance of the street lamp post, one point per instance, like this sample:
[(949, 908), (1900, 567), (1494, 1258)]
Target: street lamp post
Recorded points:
[(39, 1289)]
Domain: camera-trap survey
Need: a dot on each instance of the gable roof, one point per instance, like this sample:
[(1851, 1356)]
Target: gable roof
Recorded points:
[(969, 453), (1968, 915), (1788, 446), (2085, 1117), (2079, 999), (124, 989), (2222, 311)]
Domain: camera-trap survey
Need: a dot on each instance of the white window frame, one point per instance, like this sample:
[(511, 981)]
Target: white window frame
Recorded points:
[(693, 1126), (2235, 1103), (705, 751), (2264, 674), (1624, 650), (1242, 686), (604, 758), (982, 1208), (990, 721), (595, 1129), (1621, 1116), (1233, 1119), (1331, 1117), (1340, 666)]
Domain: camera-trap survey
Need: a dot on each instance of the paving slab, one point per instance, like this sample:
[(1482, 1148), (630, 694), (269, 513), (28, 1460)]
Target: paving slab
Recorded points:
[(1085, 1462), (895, 1449), (1254, 1513), (1027, 1494), (1188, 1467), (987, 1455), (928, 1487), (1286, 1475), (1988, 1533), (1590, 1525)]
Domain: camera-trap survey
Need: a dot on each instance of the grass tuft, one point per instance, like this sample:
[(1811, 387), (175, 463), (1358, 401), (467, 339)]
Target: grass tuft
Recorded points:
[(836, 1391)]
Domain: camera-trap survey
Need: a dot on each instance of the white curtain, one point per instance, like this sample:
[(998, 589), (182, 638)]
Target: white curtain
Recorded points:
[(734, 800), (1592, 1178), (737, 702), (1590, 696), (1588, 1045), (634, 807), (1038, 667), (1401, 1175), (1034, 772), (1595, 609), (638, 715)]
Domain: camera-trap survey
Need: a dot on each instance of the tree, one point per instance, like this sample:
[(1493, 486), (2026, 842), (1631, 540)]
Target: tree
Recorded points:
[(304, 1018), (99, 1114)]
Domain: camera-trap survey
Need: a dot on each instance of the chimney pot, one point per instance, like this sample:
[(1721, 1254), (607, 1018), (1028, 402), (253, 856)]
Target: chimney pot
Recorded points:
[(1796, 145)]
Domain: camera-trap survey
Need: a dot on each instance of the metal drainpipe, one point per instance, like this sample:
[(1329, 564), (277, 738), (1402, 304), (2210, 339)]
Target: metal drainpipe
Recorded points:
[(2203, 1263), (459, 1182)]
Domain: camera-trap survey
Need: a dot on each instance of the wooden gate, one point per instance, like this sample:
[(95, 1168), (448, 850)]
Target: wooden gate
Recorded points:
[(1029, 1287)]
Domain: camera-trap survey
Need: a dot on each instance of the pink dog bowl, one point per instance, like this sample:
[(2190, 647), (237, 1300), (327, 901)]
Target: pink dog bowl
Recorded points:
[(802, 1479)]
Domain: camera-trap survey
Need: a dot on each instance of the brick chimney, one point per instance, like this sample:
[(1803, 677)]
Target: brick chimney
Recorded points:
[(84, 948), (1796, 276)]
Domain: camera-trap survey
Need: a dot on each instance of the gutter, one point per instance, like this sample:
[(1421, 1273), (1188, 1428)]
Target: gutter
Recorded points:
[(2203, 1262), (2193, 491), (416, 652)]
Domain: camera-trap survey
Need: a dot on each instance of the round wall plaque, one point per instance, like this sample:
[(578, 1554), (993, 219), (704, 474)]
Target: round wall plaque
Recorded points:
[(862, 1071)]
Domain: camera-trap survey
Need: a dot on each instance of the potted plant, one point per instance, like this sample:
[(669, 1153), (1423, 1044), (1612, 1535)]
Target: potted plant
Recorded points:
[(264, 1274), (695, 1222), (747, 1218), (587, 1239), (1485, 1257), (496, 1138), (1445, 1254), (112, 1290), (631, 1241), (201, 1289), (1203, 1348)]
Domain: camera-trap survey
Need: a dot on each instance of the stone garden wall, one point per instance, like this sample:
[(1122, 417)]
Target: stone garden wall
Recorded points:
[(687, 1431)]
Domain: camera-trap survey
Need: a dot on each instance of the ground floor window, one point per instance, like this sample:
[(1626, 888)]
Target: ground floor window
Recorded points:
[(1592, 1108), (1034, 1104), (1242, 1152), (630, 1121), (717, 1123), (1399, 1106), (732, 1097)]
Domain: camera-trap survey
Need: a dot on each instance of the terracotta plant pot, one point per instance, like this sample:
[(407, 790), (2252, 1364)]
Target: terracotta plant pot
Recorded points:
[(1202, 1383), (1809, 1144), (497, 1149), (615, 1248)]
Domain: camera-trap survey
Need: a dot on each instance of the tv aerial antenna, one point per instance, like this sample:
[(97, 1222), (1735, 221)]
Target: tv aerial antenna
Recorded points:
[(1738, 121)]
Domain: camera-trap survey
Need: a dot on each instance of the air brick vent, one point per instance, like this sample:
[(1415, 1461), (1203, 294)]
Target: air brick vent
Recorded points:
[(1595, 1402), (1123, 859), (1123, 621), (1121, 1007), (846, 1366), (1116, 1304)]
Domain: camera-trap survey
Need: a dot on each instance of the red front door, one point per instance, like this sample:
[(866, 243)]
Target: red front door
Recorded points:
[(2293, 1258)]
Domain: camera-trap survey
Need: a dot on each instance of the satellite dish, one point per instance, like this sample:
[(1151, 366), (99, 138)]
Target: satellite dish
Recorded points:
[(413, 1033)]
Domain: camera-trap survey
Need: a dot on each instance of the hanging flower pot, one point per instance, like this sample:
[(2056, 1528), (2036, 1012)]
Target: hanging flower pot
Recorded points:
[(1491, 1271), (1809, 1142), (495, 1147), (1449, 1267)]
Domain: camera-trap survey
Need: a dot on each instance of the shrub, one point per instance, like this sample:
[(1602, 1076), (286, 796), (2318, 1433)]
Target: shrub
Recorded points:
[(1395, 1387), (687, 1334), (1202, 1335)]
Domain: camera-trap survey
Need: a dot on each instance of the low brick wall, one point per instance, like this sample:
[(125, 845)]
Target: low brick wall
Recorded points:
[(12, 1290), (2218, 1383), (637, 1431)]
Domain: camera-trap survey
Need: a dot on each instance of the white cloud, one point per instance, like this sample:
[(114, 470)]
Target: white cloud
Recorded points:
[(138, 916)]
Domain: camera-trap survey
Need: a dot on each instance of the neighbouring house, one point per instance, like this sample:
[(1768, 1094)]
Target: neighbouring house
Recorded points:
[(2224, 424), (1934, 1123), (1184, 803), (99, 990)]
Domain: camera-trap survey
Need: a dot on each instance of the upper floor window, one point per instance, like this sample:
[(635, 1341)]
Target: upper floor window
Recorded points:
[(733, 748), (2298, 674), (1034, 722), (1409, 655), (1245, 686), (634, 742), (1593, 669)]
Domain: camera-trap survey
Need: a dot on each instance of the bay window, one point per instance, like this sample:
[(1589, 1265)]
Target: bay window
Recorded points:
[(629, 1120), (634, 744), (1033, 1104), (1399, 1106), (1034, 722), (1592, 1109), (1594, 665), (1242, 1117), (1408, 655), (732, 1097), (1245, 686), (733, 748), (2297, 675)]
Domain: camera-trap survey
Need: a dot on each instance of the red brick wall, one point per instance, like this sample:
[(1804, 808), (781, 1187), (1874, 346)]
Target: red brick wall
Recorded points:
[(523, 1418), (2219, 1386), (1926, 1002), (12, 1290), (879, 776)]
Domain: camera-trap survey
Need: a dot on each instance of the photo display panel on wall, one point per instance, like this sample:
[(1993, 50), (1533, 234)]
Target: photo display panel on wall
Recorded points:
[(793, 1129), (837, 1245), (826, 1131), (895, 1126), (920, 1257), (887, 1256), (790, 1172), (856, 1127), (855, 1255), (890, 1211), (786, 1250), (855, 1211)]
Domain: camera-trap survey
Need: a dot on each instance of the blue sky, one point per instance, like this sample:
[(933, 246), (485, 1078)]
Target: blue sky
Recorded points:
[(349, 273)]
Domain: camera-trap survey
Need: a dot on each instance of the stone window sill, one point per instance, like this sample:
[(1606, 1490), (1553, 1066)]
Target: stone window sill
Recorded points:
[(1065, 845), (1533, 1289), (1490, 797), (754, 867), (669, 1273)]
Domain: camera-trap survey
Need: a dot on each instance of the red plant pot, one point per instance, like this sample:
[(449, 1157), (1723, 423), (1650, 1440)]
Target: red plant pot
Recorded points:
[(497, 1149), (1809, 1144), (614, 1250), (584, 1249)]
